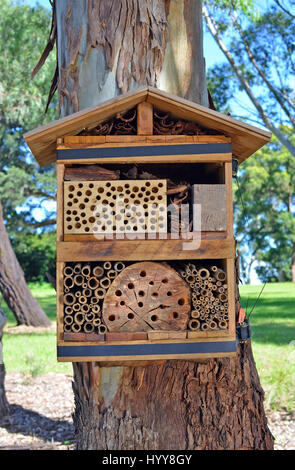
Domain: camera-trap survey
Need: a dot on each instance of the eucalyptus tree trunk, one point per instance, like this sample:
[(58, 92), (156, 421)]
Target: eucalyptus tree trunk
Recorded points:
[(13, 286), (106, 48)]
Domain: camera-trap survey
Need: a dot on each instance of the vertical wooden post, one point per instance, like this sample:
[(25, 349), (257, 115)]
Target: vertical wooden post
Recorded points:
[(145, 118)]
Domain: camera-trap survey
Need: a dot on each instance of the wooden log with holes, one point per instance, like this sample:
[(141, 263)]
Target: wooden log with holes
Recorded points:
[(147, 296)]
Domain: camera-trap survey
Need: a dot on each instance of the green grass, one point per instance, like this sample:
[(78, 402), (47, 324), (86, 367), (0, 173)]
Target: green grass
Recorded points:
[(273, 341)]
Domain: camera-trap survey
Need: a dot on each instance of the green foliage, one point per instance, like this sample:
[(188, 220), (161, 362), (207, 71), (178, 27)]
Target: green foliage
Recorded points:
[(265, 222), (36, 255), (256, 80), (273, 341), (23, 34)]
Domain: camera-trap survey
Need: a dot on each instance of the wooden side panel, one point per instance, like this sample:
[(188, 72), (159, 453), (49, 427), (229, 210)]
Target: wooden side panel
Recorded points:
[(212, 198)]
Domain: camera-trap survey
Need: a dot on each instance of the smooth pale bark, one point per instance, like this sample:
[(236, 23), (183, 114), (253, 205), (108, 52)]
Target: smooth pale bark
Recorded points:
[(13, 286), (104, 49)]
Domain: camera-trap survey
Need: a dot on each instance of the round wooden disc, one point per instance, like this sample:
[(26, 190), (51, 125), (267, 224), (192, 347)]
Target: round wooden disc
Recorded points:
[(147, 296)]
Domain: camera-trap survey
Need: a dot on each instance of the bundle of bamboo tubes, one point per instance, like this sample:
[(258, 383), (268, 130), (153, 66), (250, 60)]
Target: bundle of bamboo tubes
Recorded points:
[(85, 286), (209, 297)]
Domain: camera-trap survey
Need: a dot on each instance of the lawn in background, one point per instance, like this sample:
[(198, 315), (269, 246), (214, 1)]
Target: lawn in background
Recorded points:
[(273, 340)]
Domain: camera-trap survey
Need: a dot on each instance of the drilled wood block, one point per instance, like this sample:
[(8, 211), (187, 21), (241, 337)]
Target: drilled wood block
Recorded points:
[(115, 207), (212, 198), (147, 296)]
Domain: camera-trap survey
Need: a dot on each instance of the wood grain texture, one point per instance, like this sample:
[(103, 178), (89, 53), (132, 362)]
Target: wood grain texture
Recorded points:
[(141, 250), (144, 119), (147, 296), (212, 198)]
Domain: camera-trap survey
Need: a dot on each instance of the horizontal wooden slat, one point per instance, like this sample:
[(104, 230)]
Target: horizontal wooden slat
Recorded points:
[(142, 250), (206, 158)]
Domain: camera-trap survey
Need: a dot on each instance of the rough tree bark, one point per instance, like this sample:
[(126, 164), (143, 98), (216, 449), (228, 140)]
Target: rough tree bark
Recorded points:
[(106, 48), (13, 286), (4, 407)]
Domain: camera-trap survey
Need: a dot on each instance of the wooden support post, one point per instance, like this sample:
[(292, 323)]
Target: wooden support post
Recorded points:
[(144, 118)]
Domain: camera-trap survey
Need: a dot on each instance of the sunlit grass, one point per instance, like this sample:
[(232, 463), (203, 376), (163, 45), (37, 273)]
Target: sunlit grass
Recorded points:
[(273, 341)]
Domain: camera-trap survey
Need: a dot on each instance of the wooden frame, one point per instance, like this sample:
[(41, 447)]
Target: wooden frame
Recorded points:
[(144, 148)]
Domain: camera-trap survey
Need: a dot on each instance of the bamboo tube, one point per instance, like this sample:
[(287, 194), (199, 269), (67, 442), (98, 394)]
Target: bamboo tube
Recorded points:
[(213, 325), (89, 317), (194, 324), (87, 292), (76, 307), (68, 319), (93, 283), (66, 289), (220, 275), (96, 321), (107, 265), (86, 270), (68, 281), (223, 324), (78, 293), (68, 271), (77, 268), (195, 313), (69, 299), (98, 271), (222, 297), (84, 285), (79, 318), (203, 273), (102, 329), (214, 268), (67, 328), (78, 280), (190, 278), (100, 293), (94, 300), (105, 282), (82, 299), (96, 308), (76, 327), (112, 274), (68, 310), (204, 327), (119, 266), (85, 308), (183, 274), (88, 327)]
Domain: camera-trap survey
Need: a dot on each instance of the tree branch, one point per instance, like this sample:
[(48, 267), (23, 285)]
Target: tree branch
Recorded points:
[(213, 29)]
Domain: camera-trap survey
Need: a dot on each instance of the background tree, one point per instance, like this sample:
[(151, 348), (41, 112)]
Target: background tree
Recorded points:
[(256, 83), (264, 217), (24, 187), (216, 404)]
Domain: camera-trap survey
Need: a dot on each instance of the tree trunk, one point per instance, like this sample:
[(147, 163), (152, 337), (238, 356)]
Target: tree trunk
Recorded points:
[(4, 407), (106, 48), (293, 265), (13, 286)]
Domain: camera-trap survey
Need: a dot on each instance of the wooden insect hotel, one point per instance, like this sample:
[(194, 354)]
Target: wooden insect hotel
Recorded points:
[(145, 245)]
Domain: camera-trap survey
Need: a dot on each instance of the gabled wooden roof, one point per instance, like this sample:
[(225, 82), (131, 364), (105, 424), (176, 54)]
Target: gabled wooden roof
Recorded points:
[(246, 139)]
